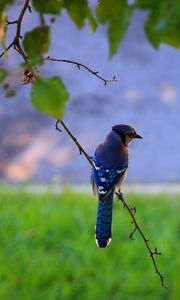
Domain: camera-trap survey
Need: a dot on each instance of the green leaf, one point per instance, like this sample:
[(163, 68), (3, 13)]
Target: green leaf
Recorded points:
[(3, 74), (48, 6), (49, 95), (3, 4), (118, 15), (146, 4), (163, 23), (172, 36), (37, 42), (92, 22), (155, 28), (77, 10)]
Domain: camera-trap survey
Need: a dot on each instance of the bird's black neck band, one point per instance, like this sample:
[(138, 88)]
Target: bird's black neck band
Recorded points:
[(121, 135)]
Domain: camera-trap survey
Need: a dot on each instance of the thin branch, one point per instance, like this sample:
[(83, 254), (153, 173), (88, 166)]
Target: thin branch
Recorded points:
[(29, 8), (42, 20), (16, 40), (151, 253), (80, 65), (6, 50), (11, 22), (81, 149), (21, 15)]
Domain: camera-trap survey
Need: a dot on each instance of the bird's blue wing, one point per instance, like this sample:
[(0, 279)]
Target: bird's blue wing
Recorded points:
[(106, 178)]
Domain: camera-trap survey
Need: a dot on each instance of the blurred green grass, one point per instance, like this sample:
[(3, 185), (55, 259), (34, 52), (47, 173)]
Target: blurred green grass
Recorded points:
[(48, 252)]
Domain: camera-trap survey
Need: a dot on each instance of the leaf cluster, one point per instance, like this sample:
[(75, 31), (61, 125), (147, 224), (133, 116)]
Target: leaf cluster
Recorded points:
[(162, 25)]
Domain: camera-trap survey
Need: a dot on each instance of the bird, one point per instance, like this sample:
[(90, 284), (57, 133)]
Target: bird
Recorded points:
[(110, 164)]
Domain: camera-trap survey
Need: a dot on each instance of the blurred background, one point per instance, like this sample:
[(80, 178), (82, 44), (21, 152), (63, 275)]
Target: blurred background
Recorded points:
[(146, 96), (47, 247)]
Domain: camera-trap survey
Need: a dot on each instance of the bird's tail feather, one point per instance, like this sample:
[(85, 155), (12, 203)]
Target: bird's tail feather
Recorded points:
[(104, 221)]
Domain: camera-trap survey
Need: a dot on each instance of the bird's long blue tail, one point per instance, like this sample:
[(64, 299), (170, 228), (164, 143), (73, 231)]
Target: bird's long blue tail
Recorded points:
[(104, 221)]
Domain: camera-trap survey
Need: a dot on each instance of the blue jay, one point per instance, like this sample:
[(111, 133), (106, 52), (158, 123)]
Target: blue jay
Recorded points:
[(110, 163)]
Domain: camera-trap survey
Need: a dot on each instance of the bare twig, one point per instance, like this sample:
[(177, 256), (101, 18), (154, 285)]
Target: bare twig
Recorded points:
[(16, 41), (6, 50), (29, 8), (81, 149), (21, 15), (136, 227), (11, 22), (80, 65)]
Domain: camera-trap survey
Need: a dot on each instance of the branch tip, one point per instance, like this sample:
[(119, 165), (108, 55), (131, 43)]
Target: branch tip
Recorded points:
[(79, 66), (29, 8), (56, 126), (137, 227)]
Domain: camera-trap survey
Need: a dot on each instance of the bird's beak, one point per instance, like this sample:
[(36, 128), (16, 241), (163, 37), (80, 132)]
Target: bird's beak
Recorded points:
[(137, 136)]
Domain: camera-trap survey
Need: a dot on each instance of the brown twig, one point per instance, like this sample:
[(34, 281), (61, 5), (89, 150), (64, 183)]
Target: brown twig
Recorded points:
[(80, 65), (81, 149), (19, 20), (6, 50), (16, 41), (11, 22), (136, 227)]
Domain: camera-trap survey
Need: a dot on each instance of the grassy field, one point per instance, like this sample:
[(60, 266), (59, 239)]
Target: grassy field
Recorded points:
[(47, 248)]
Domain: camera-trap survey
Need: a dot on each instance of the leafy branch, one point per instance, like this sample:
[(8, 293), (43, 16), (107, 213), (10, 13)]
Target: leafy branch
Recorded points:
[(34, 56), (120, 197), (17, 46)]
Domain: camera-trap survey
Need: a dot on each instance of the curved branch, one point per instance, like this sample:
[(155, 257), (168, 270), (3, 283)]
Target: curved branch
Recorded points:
[(7, 49), (21, 15), (79, 65), (16, 42), (136, 227), (81, 149)]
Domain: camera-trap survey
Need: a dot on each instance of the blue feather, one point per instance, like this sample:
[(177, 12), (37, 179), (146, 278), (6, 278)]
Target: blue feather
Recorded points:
[(105, 180), (104, 221)]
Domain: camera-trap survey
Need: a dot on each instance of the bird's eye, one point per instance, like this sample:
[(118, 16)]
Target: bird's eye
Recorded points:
[(131, 134)]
